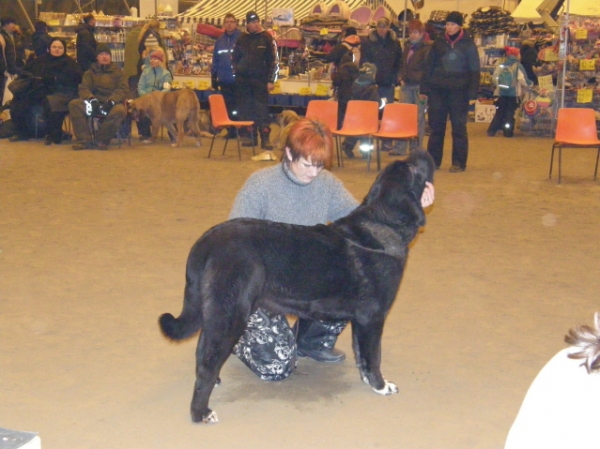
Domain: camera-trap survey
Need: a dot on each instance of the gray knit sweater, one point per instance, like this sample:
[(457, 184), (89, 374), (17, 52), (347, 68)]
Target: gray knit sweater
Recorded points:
[(274, 193)]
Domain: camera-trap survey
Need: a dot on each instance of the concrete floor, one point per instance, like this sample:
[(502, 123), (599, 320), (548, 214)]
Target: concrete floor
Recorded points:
[(93, 249)]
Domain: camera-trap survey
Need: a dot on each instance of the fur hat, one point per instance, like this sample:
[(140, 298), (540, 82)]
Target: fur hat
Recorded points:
[(251, 17), (103, 48), (455, 17), (158, 54)]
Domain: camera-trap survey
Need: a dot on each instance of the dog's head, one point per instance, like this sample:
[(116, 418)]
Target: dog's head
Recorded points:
[(400, 185), (134, 109), (286, 117)]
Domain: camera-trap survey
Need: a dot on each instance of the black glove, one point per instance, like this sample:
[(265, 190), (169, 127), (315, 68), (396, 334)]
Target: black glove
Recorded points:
[(92, 107), (106, 107), (215, 83)]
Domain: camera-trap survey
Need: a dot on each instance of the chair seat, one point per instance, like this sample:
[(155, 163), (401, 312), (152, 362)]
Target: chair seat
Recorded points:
[(232, 123), (580, 142), (395, 135)]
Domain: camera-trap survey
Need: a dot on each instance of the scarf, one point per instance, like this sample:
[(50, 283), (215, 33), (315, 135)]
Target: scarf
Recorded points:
[(452, 40)]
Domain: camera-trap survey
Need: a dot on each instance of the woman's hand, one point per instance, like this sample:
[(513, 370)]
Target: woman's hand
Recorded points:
[(428, 195)]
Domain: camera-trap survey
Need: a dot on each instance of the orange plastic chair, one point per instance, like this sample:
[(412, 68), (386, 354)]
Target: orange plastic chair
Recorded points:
[(399, 122), (361, 119), (327, 112), (220, 119), (575, 127)]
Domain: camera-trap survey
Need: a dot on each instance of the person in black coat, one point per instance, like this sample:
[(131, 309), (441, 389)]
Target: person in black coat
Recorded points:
[(451, 81), (529, 60), (41, 39), (382, 48), (86, 42), (56, 78)]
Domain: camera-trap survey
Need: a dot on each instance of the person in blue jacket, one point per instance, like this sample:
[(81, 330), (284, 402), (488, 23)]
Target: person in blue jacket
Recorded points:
[(222, 76), (154, 77)]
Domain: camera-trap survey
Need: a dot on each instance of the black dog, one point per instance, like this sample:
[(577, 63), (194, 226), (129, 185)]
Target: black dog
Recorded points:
[(349, 270)]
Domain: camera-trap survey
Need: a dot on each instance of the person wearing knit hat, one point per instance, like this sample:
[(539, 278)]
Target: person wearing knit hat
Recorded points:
[(255, 63), (510, 79), (102, 93), (158, 54), (154, 77), (455, 17), (103, 48), (450, 81)]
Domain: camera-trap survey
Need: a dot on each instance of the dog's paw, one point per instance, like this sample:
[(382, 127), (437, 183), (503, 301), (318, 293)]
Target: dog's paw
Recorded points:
[(364, 378), (209, 417), (198, 143), (146, 141), (389, 388), (174, 144)]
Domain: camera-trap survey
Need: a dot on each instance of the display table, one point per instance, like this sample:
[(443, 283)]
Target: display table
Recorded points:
[(289, 96)]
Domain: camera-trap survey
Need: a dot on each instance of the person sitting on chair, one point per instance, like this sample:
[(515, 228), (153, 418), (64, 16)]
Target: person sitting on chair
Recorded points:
[(101, 95)]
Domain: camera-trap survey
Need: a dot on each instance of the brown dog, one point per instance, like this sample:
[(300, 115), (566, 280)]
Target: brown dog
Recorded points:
[(169, 108), (285, 120)]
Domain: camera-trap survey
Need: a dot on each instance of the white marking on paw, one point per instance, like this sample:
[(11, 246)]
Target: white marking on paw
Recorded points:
[(364, 378), (174, 145), (389, 388), (211, 418)]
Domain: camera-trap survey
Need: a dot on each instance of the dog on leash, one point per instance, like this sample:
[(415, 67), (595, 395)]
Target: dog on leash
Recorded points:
[(178, 107), (348, 270), (285, 120)]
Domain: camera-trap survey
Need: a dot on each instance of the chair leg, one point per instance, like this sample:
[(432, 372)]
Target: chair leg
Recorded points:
[(225, 146), (551, 161), (596, 169), (559, 163), (211, 145), (369, 155), (252, 137), (237, 135), (340, 152), (378, 149), (337, 150)]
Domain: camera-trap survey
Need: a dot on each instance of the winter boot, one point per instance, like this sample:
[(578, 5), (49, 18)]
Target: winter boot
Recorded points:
[(316, 339), (265, 143)]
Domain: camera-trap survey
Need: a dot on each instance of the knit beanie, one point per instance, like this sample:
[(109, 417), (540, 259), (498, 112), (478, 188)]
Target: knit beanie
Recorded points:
[(455, 17), (512, 51), (158, 54), (103, 48), (367, 73)]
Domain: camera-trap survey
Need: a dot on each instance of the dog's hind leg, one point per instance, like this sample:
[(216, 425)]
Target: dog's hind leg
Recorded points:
[(215, 344), (366, 342)]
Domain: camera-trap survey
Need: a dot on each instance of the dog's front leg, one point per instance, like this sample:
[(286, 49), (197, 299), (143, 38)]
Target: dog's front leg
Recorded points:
[(366, 341), (155, 129)]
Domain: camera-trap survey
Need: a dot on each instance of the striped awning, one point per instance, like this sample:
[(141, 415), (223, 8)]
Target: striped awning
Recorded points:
[(216, 9)]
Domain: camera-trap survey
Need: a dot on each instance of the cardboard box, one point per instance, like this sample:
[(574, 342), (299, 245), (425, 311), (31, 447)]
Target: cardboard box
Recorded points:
[(484, 113)]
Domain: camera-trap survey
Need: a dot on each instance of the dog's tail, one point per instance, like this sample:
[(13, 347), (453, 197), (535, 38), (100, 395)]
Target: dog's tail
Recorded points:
[(189, 322)]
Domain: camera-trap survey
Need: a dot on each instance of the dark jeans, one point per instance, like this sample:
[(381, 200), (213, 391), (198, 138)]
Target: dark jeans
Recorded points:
[(228, 92), (441, 104), (252, 96), (504, 119)]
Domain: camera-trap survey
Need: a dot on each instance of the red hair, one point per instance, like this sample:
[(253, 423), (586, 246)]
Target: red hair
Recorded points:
[(311, 138)]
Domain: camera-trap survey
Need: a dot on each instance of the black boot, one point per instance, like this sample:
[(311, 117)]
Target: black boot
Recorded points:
[(316, 339), (265, 143)]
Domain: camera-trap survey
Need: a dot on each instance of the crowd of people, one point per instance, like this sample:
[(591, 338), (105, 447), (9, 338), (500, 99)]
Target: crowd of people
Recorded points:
[(440, 76)]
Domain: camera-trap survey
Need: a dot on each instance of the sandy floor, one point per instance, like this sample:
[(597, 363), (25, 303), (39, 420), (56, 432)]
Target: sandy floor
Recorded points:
[(93, 249)]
